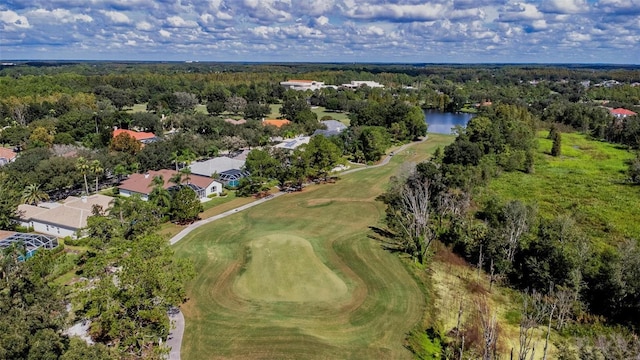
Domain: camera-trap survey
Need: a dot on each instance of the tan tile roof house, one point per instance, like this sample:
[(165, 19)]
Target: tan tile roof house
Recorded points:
[(61, 219)]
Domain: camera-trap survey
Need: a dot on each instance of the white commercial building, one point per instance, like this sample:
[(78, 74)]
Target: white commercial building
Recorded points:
[(303, 85), (356, 84)]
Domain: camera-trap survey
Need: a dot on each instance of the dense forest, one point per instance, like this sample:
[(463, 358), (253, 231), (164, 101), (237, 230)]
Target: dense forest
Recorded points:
[(59, 118)]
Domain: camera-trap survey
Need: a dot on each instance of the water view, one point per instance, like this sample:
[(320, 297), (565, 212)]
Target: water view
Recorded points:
[(443, 122)]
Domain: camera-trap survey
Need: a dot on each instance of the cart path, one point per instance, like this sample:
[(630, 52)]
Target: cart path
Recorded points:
[(174, 341)]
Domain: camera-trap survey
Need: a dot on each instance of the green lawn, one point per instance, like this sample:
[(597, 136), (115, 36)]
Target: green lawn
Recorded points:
[(298, 277), (588, 182), (320, 111), (200, 108)]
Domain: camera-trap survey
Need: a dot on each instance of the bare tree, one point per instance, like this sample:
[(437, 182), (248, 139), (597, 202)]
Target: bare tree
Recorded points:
[(551, 307), (489, 326), (530, 320), (413, 218), (517, 222)]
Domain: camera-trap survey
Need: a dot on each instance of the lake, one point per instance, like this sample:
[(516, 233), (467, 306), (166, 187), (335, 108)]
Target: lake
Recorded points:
[(442, 122)]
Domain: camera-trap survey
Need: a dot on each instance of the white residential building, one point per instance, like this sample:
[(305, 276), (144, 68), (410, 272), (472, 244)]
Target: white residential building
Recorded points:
[(61, 219)]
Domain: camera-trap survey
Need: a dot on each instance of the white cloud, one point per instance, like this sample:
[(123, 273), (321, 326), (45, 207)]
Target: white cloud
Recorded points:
[(397, 12), (578, 37), (539, 24), (313, 7), (13, 21), (178, 22), (565, 6), (116, 17), (322, 20), (346, 30), (267, 11), (60, 16), (520, 11), (144, 26)]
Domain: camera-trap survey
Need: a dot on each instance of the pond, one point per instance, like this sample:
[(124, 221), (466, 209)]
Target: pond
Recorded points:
[(443, 122)]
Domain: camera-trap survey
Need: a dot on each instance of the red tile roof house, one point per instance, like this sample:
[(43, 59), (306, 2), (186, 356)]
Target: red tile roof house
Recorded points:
[(275, 122), (143, 137), (141, 184), (621, 113), (6, 156)]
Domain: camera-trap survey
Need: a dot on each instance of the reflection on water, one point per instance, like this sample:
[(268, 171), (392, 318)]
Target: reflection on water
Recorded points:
[(442, 122)]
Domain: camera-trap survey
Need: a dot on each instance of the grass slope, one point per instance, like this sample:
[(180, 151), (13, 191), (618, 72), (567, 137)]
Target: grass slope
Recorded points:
[(382, 301), (588, 182)]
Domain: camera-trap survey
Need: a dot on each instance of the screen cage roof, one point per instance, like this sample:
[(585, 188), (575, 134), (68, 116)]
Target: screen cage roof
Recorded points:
[(30, 241)]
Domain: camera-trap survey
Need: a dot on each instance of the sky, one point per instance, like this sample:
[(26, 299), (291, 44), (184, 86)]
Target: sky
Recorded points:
[(398, 31)]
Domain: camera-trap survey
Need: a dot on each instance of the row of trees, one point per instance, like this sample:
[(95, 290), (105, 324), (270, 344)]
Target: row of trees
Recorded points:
[(551, 257), (291, 169), (130, 281)]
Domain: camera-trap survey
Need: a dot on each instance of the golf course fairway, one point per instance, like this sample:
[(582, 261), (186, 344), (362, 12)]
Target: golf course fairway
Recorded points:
[(298, 277)]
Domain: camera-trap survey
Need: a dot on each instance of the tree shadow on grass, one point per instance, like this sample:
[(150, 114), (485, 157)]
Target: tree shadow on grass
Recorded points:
[(386, 238)]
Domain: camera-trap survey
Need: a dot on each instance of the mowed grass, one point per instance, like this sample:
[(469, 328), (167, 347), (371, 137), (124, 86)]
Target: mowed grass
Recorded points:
[(318, 110), (284, 267), (320, 235), (588, 182)]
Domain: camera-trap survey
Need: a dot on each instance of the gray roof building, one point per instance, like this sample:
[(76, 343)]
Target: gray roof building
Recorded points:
[(334, 127), (216, 165)]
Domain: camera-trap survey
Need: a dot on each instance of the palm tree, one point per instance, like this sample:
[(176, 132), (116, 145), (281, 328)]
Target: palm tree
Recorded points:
[(96, 169), (175, 157), (187, 174), (134, 167), (157, 181), (161, 198), (177, 178), (32, 194), (120, 170), (117, 205), (83, 166)]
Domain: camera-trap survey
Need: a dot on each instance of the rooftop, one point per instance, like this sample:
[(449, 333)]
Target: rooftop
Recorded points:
[(334, 127), (275, 122), (142, 183), (71, 213), (31, 241), (215, 165), (622, 112), (138, 135), (6, 155), (235, 122), (294, 143)]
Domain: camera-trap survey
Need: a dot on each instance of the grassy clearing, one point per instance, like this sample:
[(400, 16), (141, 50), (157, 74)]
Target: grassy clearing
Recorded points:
[(588, 182), (382, 300), (318, 110), (200, 108)]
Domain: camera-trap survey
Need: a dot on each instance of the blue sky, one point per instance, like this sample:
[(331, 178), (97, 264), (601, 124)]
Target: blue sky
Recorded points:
[(459, 31)]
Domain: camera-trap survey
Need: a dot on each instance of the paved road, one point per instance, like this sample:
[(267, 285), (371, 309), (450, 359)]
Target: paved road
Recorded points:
[(384, 161), (175, 337), (199, 223), (174, 341)]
